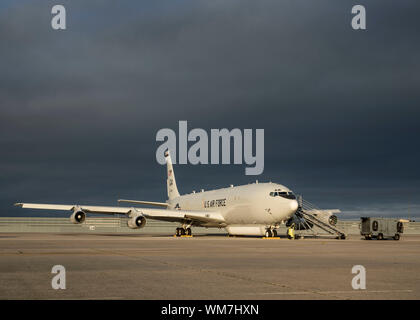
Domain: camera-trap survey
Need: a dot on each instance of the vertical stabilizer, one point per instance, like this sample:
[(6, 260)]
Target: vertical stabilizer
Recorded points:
[(171, 183)]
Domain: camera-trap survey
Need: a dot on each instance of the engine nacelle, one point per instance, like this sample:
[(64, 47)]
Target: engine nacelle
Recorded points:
[(137, 221), (333, 220), (299, 222), (78, 217), (327, 217)]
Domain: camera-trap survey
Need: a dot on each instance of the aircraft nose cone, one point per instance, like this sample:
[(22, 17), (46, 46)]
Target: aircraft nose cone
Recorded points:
[(293, 205)]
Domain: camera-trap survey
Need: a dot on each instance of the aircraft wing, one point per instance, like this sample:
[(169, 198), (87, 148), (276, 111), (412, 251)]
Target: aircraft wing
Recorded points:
[(201, 217), (182, 215), (65, 207)]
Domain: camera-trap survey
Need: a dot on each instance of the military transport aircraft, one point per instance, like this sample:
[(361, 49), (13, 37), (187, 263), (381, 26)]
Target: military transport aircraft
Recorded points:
[(254, 209)]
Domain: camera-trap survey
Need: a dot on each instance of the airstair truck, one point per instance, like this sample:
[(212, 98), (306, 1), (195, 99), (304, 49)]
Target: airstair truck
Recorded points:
[(380, 228)]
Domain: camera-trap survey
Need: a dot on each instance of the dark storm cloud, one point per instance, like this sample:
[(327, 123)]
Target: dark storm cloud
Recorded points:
[(80, 108)]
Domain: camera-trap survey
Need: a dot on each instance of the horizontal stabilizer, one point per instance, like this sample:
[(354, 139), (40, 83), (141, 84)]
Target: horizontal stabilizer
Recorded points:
[(150, 203)]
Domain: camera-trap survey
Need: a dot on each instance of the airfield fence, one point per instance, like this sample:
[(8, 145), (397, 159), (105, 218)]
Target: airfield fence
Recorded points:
[(119, 225)]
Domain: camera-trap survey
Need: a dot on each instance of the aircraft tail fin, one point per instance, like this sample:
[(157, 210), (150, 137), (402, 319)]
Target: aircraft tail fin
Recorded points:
[(171, 183)]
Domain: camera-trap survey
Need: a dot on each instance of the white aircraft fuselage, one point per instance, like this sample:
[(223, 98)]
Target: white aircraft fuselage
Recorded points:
[(252, 204)]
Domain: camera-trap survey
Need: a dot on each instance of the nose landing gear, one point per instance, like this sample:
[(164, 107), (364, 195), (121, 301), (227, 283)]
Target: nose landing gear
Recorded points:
[(271, 233)]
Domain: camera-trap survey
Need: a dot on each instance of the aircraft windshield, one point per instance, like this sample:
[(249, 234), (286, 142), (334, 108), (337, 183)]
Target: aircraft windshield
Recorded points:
[(284, 194)]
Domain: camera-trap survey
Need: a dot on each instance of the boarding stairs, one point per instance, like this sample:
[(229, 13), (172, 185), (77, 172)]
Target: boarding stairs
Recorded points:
[(304, 211)]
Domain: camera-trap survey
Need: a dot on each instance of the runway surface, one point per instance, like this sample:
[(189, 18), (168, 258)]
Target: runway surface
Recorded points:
[(128, 266)]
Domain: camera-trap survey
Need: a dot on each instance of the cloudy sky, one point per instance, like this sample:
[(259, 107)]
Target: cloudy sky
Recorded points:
[(80, 108)]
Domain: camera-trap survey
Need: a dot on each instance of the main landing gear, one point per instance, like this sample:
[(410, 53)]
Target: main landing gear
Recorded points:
[(270, 233), (183, 232)]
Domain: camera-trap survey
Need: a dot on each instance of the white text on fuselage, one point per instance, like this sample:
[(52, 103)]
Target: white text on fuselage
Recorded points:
[(214, 203)]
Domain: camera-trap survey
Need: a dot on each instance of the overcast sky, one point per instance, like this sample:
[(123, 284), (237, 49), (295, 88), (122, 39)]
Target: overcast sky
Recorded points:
[(80, 108)]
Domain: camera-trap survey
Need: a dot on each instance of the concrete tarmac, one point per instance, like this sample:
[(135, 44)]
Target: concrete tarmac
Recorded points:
[(140, 266)]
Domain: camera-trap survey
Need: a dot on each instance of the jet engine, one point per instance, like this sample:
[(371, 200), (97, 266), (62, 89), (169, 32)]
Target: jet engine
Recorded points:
[(325, 215), (78, 217), (301, 224), (333, 219), (136, 221)]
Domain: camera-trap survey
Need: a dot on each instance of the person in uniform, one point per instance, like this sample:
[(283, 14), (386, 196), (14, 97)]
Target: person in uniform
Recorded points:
[(291, 232)]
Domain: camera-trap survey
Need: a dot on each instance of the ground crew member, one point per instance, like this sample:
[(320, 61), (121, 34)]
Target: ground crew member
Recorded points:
[(291, 232)]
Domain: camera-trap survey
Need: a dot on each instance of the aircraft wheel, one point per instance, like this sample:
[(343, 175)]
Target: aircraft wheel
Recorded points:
[(397, 236), (189, 231), (268, 233), (274, 233), (182, 232), (178, 232)]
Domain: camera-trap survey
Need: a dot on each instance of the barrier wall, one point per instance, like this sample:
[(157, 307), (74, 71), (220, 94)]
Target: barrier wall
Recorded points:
[(119, 225)]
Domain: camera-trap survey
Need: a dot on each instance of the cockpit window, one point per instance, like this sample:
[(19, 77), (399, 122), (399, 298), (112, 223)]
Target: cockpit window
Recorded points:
[(287, 195), (284, 194)]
